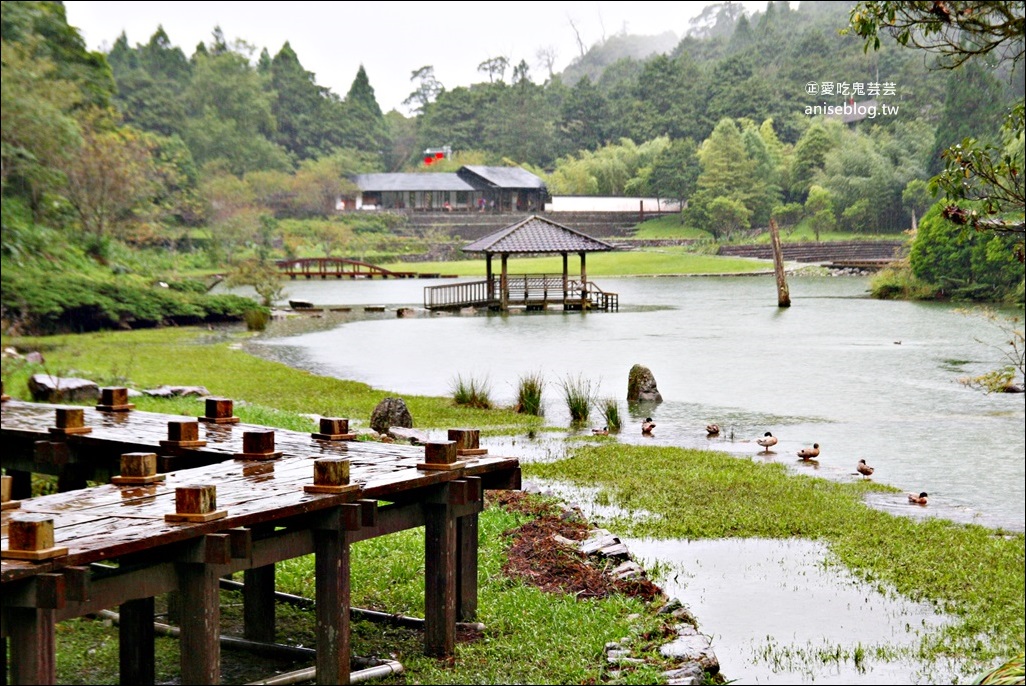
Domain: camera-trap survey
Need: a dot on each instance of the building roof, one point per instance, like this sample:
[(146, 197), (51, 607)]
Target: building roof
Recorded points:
[(505, 177), (536, 235), (411, 182), (468, 178)]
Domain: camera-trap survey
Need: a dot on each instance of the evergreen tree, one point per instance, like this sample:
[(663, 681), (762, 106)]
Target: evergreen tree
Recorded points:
[(364, 125)]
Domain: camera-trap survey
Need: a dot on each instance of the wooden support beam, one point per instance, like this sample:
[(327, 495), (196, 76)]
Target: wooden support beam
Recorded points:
[(200, 624), (135, 642), (439, 576), (258, 606), (33, 646), (332, 571)]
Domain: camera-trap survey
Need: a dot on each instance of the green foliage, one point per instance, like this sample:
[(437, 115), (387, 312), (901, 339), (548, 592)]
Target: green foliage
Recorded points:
[(899, 283), (529, 394), (471, 392), (964, 263), (1011, 673)]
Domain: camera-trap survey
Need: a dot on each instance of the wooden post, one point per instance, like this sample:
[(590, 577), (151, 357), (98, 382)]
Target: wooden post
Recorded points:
[(33, 645), (30, 537), (441, 455), (334, 429), (504, 284), (200, 624), (135, 642), (219, 411), (566, 278), (70, 420), (584, 281), (258, 606), (196, 504), (114, 400), (439, 576), (136, 469), (783, 296), (258, 445)]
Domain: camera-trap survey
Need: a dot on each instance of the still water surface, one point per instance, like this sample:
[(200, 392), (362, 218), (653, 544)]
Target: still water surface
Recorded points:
[(863, 378)]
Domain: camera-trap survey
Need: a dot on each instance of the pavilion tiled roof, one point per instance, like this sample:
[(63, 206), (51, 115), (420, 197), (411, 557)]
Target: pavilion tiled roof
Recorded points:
[(538, 235)]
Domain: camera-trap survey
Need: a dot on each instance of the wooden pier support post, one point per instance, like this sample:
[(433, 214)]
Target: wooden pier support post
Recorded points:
[(439, 575), (332, 563), (6, 493), (783, 295), (135, 642), (33, 645), (466, 554), (200, 624)]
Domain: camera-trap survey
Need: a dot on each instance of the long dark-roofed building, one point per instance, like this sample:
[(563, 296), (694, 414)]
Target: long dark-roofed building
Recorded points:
[(471, 188)]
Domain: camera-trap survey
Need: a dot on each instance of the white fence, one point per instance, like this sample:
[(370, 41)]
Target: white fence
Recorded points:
[(591, 203)]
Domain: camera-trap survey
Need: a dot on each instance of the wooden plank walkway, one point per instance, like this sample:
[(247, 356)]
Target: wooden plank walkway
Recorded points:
[(269, 516)]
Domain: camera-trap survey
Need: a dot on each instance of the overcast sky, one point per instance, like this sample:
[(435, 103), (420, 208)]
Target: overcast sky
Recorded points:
[(390, 39)]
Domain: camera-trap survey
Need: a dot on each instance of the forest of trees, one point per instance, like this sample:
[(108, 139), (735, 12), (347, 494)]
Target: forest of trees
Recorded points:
[(148, 140)]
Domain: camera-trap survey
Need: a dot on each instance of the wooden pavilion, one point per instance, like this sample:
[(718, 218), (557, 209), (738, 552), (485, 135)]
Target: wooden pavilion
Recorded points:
[(534, 235)]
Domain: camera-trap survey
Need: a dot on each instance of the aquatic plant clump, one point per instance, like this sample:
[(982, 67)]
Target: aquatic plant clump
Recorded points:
[(578, 394), (529, 394), (471, 392)]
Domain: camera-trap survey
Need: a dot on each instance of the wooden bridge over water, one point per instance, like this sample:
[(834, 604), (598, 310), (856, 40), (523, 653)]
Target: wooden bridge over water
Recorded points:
[(195, 499), (338, 268)]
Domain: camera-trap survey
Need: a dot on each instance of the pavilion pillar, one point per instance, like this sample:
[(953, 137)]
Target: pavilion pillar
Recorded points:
[(504, 283), (566, 280), (489, 276), (584, 280)]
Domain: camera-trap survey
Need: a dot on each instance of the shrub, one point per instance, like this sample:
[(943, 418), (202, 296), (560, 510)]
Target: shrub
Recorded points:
[(257, 318), (529, 394), (471, 392)]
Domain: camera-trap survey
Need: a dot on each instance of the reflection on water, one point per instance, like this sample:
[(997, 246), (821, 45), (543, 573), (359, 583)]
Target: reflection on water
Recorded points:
[(861, 377), (779, 612)]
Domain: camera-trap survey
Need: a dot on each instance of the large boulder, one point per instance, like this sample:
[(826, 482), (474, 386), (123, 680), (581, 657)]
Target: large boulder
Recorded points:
[(51, 389), (390, 412), (641, 386)]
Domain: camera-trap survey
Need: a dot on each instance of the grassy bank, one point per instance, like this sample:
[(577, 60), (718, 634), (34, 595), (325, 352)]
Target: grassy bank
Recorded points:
[(972, 573), (649, 262)]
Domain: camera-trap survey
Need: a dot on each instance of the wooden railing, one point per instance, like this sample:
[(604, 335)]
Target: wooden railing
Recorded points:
[(451, 296)]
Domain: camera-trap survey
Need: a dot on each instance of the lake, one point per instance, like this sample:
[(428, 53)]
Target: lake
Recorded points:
[(866, 379)]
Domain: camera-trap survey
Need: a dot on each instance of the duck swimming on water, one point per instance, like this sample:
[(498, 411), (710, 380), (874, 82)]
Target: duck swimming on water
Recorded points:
[(712, 429), (647, 426), (917, 499)]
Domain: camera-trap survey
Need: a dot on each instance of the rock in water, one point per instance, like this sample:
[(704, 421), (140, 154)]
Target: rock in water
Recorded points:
[(641, 386)]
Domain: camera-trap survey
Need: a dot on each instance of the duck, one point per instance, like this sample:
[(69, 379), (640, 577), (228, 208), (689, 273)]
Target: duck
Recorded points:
[(864, 469), (767, 441), (604, 431), (917, 499), (809, 453), (647, 426), (712, 429)]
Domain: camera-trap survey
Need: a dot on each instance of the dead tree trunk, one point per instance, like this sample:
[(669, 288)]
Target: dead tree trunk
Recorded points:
[(783, 295)]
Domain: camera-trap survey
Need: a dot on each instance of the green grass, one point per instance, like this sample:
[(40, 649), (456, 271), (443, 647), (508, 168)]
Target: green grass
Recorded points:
[(966, 570), (802, 231), (670, 260)]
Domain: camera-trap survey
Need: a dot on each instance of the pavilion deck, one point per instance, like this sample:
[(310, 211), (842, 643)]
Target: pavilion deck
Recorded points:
[(528, 291)]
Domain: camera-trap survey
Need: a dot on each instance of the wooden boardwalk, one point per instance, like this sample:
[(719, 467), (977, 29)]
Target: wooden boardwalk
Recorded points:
[(338, 268), (114, 546)]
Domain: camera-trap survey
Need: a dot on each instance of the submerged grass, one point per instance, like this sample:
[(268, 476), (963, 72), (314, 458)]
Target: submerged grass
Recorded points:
[(968, 571)]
